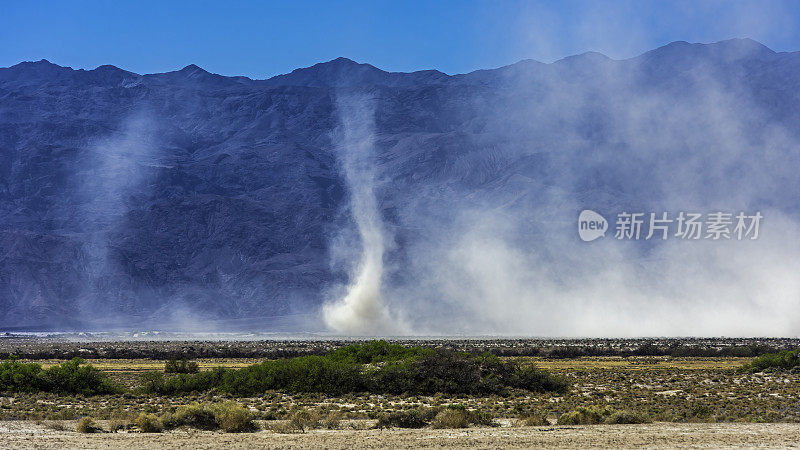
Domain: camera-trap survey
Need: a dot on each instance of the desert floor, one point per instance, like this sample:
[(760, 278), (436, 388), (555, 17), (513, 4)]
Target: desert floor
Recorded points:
[(27, 434)]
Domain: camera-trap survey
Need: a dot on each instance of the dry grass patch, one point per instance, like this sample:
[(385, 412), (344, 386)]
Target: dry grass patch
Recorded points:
[(536, 420), (87, 425), (234, 418), (149, 423)]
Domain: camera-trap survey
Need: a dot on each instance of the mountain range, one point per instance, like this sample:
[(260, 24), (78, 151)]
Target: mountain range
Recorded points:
[(188, 199)]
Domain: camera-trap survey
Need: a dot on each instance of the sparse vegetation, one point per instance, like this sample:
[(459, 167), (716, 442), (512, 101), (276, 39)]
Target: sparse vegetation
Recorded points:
[(121, 421), (593, 415), (303, 420), (56, 426), (377, 367), (627, 417), (332, 420), (285, 427), (458, 416), (586, 415), (636, 389), (543, 348)]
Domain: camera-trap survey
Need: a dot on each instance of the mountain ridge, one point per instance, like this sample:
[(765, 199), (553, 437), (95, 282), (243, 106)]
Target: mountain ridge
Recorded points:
[(338, 67)]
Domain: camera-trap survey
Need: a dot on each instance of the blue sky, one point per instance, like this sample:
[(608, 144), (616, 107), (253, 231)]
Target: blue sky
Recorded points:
[(262, 39)]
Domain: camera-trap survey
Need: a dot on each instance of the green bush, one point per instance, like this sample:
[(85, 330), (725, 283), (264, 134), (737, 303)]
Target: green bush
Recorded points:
[(785, 360), (20, 377), (152, 383), (75, 377), (376, 367), (181, 366), (156, 383), (71, 377), (461, 373), (441, 372), (537, 380)]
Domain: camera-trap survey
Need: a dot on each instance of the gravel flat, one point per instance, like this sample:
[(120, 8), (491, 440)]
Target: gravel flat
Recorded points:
[(25, 434)]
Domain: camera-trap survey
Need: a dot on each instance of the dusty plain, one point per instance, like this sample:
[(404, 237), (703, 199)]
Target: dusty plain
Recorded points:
[(692, 401)]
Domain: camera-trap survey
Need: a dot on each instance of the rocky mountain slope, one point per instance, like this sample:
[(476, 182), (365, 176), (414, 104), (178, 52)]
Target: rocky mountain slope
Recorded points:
[(195, 200)]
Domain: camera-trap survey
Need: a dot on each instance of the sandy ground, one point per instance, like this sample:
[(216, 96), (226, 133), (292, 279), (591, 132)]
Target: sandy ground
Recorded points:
[(25, 434)]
